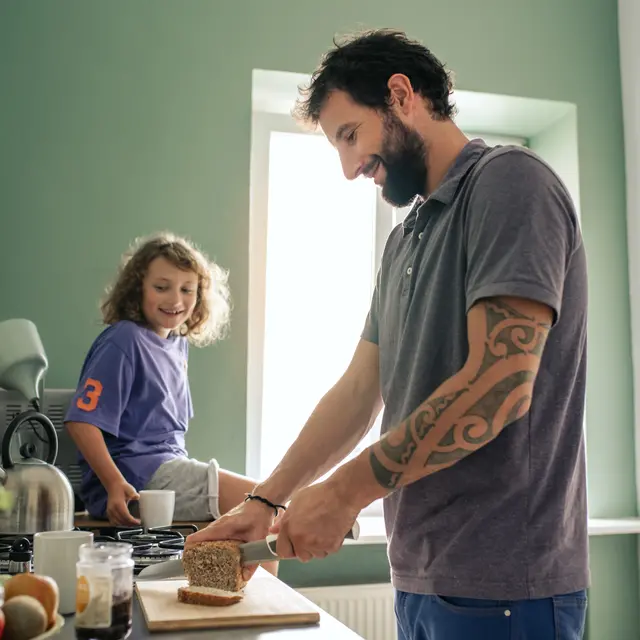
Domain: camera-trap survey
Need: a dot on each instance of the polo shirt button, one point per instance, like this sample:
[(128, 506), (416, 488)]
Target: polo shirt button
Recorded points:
[(420, 235), (507, 612), (409, 270)]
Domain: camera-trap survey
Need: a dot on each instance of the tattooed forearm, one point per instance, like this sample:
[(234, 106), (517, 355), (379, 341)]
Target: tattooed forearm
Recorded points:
[(493, 393), (399, 445)]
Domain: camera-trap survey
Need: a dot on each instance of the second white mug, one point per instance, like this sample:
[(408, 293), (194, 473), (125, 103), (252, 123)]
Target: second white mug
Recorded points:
[(55, 554)]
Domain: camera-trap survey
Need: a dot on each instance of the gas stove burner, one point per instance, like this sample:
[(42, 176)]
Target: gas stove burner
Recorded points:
[(153, 545), (141, 548), (150, 555), (139, 537)]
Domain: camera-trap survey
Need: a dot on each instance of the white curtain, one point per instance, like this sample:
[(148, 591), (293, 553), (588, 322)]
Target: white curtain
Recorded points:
[(628, 27)]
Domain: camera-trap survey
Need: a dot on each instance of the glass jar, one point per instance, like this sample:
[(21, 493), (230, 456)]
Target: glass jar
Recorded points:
[(104, 591)]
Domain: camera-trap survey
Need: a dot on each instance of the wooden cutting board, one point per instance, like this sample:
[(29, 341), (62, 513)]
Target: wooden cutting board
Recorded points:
[(267, 602)]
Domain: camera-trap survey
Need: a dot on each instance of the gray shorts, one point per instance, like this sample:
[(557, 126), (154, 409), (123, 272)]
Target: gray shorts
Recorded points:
[(195, 484)]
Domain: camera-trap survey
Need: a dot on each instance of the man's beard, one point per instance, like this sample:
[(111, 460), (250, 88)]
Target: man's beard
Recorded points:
[(404, 156)]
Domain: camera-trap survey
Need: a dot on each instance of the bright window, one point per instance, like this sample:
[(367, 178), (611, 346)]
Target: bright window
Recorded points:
[(319, 282)]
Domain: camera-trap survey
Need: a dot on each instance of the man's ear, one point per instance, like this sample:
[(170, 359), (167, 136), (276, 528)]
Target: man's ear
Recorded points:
[(401, 94)]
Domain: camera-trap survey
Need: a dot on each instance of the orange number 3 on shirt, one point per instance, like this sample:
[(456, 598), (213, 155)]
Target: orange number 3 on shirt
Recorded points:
[(88, 401)]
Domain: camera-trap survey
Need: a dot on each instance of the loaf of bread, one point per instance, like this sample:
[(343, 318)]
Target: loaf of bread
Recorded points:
[(214, 572)]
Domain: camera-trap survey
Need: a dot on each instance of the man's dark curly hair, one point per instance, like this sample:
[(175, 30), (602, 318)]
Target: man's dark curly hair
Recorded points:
[(361, 66)]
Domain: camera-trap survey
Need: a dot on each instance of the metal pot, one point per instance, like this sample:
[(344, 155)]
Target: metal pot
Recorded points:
[(40, 495)]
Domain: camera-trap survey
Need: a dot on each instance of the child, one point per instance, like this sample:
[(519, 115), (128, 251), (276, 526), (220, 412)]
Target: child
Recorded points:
[(130, 413)]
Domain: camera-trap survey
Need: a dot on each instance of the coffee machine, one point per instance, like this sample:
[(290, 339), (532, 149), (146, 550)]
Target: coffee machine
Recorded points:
[(34, 494)]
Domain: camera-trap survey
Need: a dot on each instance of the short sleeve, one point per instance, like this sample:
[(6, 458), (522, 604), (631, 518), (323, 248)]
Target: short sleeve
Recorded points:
[(104, 388), (521, 231), (370, 330)]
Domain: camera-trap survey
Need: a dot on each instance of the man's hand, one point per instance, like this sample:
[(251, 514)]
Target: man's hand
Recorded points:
[(119, 496), (316, 522), (247, 522)]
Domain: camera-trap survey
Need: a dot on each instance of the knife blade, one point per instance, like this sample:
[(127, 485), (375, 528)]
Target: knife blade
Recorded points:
[(162, 571), (251, 552)]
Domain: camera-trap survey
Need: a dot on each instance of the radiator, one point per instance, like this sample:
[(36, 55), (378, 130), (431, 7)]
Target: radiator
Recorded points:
[(366, 609)]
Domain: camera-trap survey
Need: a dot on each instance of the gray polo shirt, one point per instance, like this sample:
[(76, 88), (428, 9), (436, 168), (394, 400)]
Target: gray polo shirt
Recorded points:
[(510, 520)]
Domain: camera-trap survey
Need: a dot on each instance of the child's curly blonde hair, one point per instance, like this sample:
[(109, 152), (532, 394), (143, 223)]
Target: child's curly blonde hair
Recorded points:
[(210, 317)]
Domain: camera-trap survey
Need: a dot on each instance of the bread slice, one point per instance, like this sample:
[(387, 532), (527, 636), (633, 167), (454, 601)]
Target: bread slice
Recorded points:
[(208, 597), (216, 565)]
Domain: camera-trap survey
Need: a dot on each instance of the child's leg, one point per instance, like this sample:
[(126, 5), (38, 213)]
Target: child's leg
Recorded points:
[(195, 484)]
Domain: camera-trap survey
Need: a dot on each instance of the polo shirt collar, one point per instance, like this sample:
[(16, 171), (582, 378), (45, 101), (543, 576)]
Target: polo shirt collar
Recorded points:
[(447, 189)]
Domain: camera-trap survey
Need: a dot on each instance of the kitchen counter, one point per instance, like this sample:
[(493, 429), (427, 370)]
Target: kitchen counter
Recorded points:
[(83, 520), (328, 627)]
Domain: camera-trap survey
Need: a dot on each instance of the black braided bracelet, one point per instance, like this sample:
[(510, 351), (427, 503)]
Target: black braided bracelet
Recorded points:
[(275, 507)]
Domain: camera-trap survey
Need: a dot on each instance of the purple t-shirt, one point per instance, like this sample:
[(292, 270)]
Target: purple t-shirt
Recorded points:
[(134, 387)]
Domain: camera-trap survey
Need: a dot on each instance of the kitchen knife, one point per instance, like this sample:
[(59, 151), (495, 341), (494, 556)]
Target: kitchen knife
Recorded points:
[(251, 552), (265, 550)]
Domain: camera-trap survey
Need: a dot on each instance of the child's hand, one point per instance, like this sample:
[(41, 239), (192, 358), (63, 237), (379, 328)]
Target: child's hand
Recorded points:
[(119, 496)]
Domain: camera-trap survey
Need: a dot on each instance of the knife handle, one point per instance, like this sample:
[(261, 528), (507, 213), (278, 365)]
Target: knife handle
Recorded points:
[(272, 539)]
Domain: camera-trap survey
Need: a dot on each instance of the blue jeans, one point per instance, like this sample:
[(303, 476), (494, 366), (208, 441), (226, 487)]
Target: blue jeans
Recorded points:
[(422, 617)]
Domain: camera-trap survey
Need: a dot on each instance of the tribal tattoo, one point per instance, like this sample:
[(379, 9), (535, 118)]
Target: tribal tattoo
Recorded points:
[(450, 426)]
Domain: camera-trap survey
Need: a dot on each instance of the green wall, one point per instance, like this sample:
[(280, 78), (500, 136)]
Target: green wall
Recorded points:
[(119, 118)]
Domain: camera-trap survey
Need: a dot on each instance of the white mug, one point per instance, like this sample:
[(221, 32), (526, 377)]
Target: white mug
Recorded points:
[(55, 554), (156, 508)]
